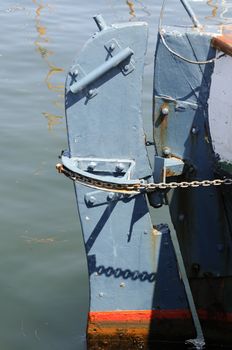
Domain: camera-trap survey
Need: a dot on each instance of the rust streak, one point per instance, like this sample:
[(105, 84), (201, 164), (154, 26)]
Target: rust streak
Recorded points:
[(223, 42), (163, 124)]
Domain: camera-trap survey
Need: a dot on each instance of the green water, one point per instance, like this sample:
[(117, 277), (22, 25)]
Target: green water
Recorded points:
[(43, 275)]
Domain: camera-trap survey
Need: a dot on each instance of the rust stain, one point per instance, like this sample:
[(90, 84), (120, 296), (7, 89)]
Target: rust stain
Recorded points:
[(163, 124), (170, 173), (117, 336), (223, 42), (132, 334), (155, 231)]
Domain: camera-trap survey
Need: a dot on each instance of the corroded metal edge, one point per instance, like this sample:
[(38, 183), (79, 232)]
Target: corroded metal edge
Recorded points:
[(136, 329), (223, 43), (139, 329)]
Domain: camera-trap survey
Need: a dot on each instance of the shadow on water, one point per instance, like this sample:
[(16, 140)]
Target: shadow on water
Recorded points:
[(41, 42)]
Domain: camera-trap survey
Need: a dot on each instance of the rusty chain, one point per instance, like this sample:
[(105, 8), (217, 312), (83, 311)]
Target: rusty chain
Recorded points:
[(139, 187)]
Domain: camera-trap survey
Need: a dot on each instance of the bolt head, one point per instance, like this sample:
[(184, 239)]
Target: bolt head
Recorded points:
[(194, 131), (119, 167), (166, 151), (111, 196), (112, 46), (91, 166), (91, 200), (165, 110)]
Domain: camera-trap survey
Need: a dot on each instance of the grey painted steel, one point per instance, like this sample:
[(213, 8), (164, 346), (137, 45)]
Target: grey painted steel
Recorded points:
[(100, 22), (107, 125), (131, 265), (191, 13), (199, 215), (101, 70), (112, 171), (199, 341)]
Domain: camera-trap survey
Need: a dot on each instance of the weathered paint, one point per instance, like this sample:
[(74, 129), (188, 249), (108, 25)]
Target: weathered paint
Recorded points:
[(223, 43), (137, 295), (123, 329), (126, 257), (220, 110), (201, 217), (201, 231), (137, 329)]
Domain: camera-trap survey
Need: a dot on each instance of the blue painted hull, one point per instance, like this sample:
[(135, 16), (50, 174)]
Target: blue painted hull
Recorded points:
[(139, 291)]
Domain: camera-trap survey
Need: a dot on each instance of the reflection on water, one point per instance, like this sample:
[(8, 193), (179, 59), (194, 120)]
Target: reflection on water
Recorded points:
[(225, 13), (214, 6), (132, 11), (53, 119), (131, 7), (144, 7), (45, 53), (221, 10)]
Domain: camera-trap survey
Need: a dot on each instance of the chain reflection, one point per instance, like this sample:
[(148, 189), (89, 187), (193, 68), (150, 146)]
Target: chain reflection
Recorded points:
[(41, 44)]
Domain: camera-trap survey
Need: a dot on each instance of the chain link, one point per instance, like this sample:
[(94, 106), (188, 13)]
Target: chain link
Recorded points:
[(140, 186)]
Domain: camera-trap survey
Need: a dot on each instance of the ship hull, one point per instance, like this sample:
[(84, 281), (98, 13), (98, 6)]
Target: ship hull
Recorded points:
[(150, 283)]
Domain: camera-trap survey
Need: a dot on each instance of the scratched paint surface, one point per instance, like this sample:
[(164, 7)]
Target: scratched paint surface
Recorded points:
[(220, 105), (44, 289)]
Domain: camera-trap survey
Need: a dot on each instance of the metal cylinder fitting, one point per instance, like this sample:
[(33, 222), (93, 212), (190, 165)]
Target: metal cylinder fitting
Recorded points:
[(100, 22), (91, 166), (165, 110), (119, 167), (166, 151)]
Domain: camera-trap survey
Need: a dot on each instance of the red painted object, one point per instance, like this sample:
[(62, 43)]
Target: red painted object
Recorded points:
[(224, 42)]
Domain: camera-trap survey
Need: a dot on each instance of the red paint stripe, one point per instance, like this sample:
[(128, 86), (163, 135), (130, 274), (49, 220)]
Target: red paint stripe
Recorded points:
[(137, 315), (215, 316), (148, 315)]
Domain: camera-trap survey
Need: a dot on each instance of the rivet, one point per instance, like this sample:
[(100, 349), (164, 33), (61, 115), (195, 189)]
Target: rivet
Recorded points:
[(112, 46), (181, 217), (122, 285), (101, 294), (126, 67), (119, 167), (90, 93), (76, 71), (166, 151), (165, 110), (111, 196), (91, 200), (91, 166), (194, 131)]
